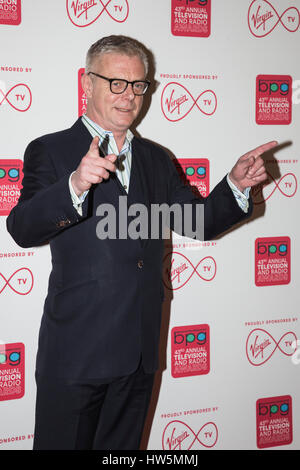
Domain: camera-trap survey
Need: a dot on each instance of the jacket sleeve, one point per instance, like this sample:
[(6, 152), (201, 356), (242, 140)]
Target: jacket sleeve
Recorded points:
[(220, 209), (45, 205)]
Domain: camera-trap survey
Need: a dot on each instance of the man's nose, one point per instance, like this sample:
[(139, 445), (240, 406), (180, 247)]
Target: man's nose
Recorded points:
[(128, 93)]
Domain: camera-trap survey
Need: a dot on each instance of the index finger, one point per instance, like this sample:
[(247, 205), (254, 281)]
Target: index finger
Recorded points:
[(95, 143), (263, 148)]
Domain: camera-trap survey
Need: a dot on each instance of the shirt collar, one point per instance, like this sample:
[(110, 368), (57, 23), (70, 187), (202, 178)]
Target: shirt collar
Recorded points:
[(95, 129)]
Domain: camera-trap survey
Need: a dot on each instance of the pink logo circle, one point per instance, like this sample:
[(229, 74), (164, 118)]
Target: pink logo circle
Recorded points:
[(263, 18), (177, 102), (179, 270), (261, 345), (179, 436), (84, 13), (20, 282), (19, 97), (287, 186)]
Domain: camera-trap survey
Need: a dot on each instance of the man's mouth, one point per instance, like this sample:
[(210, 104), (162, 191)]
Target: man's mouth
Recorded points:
[(124, 110)]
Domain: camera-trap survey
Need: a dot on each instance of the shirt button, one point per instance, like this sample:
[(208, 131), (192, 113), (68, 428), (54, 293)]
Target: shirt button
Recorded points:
[(125, 187), (140, 263)]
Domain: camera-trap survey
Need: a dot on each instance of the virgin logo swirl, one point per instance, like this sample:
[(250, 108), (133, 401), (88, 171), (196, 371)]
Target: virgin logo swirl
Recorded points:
[(263, 18), (82, 13), (20, 282), (287, 186), (19, 97), (177, 102), (261, 345), (179, 436), (179, 270)]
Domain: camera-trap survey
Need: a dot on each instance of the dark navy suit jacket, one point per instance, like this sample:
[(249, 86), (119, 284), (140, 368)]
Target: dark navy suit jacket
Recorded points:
[(103, 308)]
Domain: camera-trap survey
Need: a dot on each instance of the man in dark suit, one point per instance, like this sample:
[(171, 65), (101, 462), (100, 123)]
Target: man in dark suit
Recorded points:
[(99, 335)]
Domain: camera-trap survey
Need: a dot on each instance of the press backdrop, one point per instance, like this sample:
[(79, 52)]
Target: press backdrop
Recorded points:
[(227, 80)]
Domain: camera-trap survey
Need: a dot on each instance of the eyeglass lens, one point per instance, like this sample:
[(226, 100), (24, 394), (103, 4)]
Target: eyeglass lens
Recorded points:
[(119, 86)]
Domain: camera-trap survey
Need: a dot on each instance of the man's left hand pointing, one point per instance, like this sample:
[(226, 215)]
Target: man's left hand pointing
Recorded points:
[(250, 169)]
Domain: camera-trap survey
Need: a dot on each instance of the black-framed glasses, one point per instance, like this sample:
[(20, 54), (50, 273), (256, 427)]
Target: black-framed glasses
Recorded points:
[(119, 85)]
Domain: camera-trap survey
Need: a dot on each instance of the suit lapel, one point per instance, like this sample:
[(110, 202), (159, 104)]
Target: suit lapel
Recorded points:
[(140, 187), (141, 177), (141, 180), (81, 140)]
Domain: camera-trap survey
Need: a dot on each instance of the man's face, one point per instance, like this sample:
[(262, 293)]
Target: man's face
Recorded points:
[(113, 112)]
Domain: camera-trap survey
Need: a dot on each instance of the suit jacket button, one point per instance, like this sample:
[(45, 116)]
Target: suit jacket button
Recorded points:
[(63, 223), (140, 263)]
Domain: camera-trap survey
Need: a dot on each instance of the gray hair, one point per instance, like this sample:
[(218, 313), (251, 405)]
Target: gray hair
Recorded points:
[(116, 44)]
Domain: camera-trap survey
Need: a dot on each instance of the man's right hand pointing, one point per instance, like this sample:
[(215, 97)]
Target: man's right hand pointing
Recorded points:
[(92, 169)]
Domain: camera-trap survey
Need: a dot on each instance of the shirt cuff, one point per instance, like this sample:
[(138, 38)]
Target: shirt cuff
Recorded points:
[(242, 198), (77, 200)]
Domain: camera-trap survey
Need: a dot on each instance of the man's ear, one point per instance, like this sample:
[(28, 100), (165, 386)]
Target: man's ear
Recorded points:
[(87, 85)]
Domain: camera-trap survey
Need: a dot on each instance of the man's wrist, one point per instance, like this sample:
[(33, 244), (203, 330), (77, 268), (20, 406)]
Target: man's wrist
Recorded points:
[(242, 198), (74, 187), (231, 180)]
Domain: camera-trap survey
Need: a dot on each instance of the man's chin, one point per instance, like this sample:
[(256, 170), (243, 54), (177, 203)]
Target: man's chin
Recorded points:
[(123, 123)]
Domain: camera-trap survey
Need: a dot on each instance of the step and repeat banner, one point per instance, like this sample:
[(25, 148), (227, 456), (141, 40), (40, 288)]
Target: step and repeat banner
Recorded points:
[(227, 80)]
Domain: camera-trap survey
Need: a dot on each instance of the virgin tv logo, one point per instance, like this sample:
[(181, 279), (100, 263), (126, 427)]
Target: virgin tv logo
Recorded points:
[(84, 13), (10, 12), (178, 270), (177, 102), (18, 97), (286, 186), (178, 435), (261, 346), (20, 282), (263, 18)]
